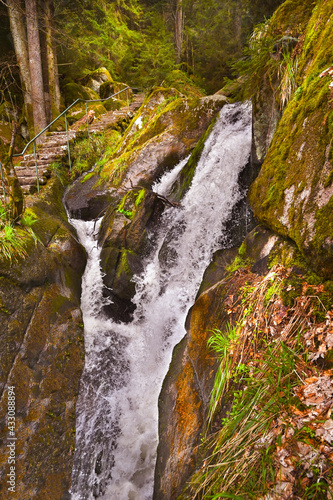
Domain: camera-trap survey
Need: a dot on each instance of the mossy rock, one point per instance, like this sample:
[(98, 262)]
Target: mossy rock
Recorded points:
[(217, 269), (42, 347), (113, 104), (166, 129), (96, 78), (291, 194), (124, 265), (73, 91), (6, 112), (184, 180), (5, 133), (109, 88), (89, 199), (123, 236)]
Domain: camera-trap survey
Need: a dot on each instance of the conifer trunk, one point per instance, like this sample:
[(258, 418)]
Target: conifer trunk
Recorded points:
[(21, 51), (52, 66), (179, 30), (14, 188), (35, 64)]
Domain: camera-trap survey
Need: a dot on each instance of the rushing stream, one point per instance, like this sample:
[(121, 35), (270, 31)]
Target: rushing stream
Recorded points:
[(117, 416)]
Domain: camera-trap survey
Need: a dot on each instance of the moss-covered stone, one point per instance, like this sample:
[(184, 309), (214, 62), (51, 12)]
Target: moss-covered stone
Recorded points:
[(292, 194), (109, 88), (5, 133), (166, 129), (184, 180), (89, 199), (72, 92), (123, 236), (42, 349), (94, 79)]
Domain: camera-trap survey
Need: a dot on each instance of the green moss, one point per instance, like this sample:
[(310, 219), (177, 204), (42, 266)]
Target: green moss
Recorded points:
[(73, 91), (87, 177), (5, 133), (164, 110), (185, 177), (329, 179), (241, 260), (130, 202), (324, 224), (124, 266), (139, 197), (3, 308)]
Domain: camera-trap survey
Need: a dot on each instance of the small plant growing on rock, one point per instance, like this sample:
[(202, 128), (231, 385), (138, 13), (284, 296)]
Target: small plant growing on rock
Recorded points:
[(15, 235)]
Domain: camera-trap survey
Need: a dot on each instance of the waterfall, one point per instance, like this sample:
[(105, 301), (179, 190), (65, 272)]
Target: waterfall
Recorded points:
[(117, 415)]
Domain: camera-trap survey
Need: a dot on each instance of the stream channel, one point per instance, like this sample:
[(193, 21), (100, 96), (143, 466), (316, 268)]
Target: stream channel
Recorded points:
[(125, 364)]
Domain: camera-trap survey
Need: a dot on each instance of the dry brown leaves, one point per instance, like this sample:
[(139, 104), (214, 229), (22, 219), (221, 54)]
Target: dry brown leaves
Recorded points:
[(305, 435)]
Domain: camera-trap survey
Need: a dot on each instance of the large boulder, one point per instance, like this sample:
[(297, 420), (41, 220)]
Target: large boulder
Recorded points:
[(165, 130), (107, 89), (95, 79), (87, 199)]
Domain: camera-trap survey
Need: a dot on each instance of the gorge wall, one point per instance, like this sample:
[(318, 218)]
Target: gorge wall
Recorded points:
[(42, 351)]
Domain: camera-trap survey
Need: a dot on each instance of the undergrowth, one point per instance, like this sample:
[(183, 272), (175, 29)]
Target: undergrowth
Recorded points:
[(15, 235), (263, 439), (92, 150)]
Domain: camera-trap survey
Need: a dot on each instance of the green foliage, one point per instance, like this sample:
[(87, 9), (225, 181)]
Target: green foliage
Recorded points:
[(128, 213), (221, 343), (135, 40), (89, 151), (130, 202), (240, 454), (155, 57), (15, 236)]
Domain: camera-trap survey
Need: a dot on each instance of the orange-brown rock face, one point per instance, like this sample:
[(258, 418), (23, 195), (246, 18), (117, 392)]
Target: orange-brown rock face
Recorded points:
[(185, 395)]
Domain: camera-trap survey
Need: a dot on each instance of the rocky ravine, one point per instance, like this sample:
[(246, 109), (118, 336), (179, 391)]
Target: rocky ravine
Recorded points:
[(291, 196), (41, 322)]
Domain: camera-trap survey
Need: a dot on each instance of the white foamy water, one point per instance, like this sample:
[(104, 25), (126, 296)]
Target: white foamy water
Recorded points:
[(117, 415)]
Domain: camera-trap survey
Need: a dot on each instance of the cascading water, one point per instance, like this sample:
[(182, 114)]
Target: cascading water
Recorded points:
[(117, 415)]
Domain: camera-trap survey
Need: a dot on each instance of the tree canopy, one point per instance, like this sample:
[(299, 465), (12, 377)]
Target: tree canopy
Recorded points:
[(140, 42)]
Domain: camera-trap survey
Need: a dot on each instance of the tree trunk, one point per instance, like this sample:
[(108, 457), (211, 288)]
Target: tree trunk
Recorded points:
[(35, 63), (21, 51), (179, 30), (237, 22), (52, 67), (47, 98), (14, 189)]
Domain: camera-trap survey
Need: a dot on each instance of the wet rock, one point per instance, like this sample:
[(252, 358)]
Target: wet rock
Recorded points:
[(88, 199), (41, 339), (166, 129), (164, 132), (123, 236), (185, 395), (266, 116), (293, 193)]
